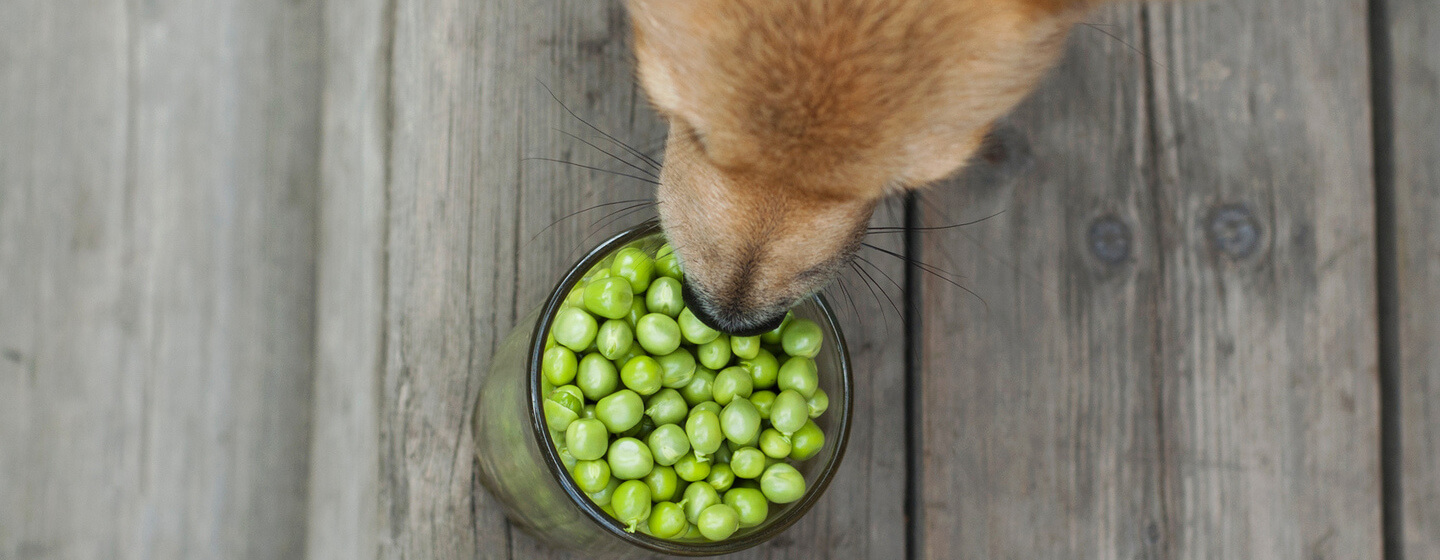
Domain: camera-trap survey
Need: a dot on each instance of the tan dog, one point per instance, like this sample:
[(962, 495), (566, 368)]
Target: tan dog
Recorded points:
[(791, 119)]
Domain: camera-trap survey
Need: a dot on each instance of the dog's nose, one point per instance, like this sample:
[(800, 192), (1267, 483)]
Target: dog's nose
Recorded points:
[(730, 319)]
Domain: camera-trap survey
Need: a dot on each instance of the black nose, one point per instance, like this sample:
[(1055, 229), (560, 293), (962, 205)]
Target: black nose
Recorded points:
[(730, 320)]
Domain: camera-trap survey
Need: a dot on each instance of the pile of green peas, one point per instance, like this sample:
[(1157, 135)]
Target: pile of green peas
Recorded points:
[(671, 427)]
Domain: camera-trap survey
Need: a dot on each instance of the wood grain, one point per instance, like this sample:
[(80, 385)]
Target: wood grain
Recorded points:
[(1039, 436), (156, 277), (1414, 27), (1184, 403), (344, 521), (1270, 396)]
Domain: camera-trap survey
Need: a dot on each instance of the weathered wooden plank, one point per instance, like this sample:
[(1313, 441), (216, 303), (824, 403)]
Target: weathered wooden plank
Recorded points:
[(1268, 349), (1414, 27), (344, 520), (156, 234), (1038, 408), (1186, 403)]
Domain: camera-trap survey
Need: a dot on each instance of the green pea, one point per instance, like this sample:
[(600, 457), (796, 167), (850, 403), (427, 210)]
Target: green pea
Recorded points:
[(602, 498), (678, 367), (700, 388), (693, 533), (750, 504), (620, 411), (695, 330), (799, 374), (705, 434), (721, 455), (666, 407), (762, 401), (667, 263), (596, 377), (558, 365), (591, 476), (775, 336), (668, 444), (745, 347), (637, 310), (634, 266), (819, 403), (629, 459), (747, 462), (667, 520), (597, 273), (576, 298), (690, 468), (609, 510), (550, 340), (640, 429), (632, 503), (659, 335), (663, 483), (721, 477), (711, 406), (740, 421), (802, 337), (665, 297), (642, 374), (609, 297), (589, 411), (573, 392), (773, 444), (782, 484), (731, 382), (714, 354), (635, 351), (718, 522), (699, 496), (586, 439), (806, 441), (574, 328), (565, 457), (763, 369), (614, 339), (789, 413), (557, 416)]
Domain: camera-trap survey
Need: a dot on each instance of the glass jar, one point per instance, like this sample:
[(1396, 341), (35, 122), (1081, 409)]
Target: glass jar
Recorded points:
[(521, 468)]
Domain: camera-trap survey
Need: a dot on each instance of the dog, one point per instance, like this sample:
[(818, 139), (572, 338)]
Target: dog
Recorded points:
[(791, 119)]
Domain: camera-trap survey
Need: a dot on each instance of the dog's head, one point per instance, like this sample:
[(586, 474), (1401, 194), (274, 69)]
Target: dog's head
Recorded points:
[(791, 119)]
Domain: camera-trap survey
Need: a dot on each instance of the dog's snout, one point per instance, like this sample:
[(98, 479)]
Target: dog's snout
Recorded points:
[(728, 317)]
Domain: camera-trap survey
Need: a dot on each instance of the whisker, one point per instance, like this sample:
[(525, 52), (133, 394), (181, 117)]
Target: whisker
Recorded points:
[(633, 151), (593, 168), (902, 229), (584, 210), (933, 271), (854, 311), (1117, 38), (898, 314), (618, 215), (617, 158), (873, 295), (881, 271)]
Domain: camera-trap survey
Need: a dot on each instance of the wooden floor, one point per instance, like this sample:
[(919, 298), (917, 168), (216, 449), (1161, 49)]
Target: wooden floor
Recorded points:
[(255, 256)]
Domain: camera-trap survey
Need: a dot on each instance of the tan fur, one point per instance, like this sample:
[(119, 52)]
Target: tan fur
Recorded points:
[(790, 119)]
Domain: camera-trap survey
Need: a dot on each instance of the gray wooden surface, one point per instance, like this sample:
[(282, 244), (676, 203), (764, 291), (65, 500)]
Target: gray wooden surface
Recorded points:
[(255, 257), (156, 277), (1414, 27), (1192, 399)]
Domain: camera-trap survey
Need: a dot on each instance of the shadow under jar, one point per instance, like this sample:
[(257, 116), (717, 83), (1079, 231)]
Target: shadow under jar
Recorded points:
[(521, 468)]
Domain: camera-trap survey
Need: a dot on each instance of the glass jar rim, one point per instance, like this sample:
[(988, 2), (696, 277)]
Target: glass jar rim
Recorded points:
[(766, 531)]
